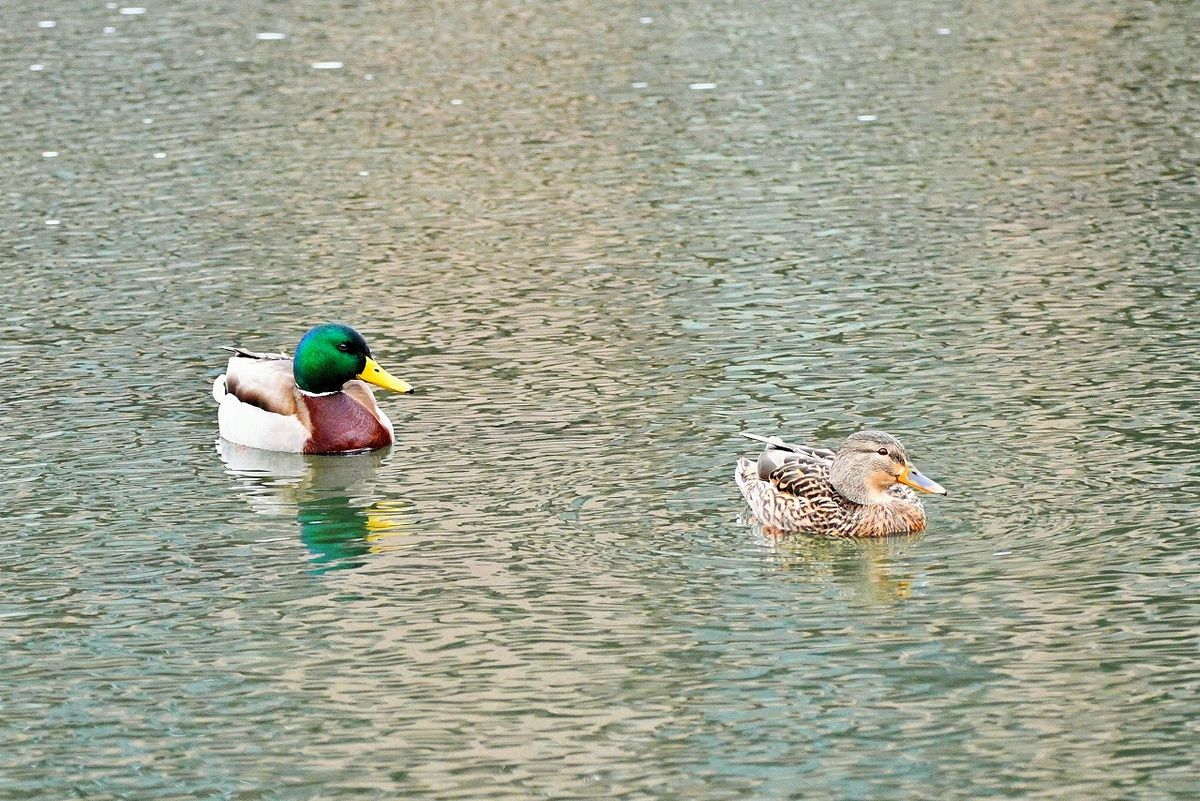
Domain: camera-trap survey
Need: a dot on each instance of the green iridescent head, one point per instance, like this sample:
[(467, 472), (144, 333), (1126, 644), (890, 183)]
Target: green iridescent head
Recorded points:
[(331, 354)]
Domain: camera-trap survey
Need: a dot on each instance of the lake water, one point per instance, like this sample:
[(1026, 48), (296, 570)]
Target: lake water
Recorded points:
[(601, 239)]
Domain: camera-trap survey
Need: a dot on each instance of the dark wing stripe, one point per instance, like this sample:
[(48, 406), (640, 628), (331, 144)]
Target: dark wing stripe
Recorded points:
[(254, 354)]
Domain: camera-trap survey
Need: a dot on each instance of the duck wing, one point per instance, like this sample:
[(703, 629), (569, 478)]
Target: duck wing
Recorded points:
[(264, 380), (804, 478), (800, 461)]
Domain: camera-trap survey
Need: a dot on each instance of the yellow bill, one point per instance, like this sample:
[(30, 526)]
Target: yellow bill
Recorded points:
[(372, 373), (912, 477)]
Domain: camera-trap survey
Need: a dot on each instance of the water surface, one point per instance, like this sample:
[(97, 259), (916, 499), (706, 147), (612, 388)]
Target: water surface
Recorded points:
[(601, 239)]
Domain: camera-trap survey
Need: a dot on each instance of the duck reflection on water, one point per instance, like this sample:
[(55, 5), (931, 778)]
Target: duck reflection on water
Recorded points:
[(341, 524), (875, 571)]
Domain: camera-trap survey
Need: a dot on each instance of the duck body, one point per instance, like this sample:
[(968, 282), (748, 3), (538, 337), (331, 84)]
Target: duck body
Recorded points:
[(864, 489), (263, 401)]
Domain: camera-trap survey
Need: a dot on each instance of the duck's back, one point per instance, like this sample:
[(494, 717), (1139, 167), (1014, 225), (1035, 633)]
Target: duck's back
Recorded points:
[(261, 380), (257, 397), (791, 492)]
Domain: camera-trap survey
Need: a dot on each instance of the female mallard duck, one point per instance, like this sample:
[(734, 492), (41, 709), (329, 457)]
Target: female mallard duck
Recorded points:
[(315, 402), (854, 492)]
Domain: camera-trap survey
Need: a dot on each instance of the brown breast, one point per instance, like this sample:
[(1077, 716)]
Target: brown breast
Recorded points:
[(883, 520), (340, 423)]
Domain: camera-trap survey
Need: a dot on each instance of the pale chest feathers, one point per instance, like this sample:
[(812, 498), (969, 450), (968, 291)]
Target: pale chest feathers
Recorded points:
[(902, 514)]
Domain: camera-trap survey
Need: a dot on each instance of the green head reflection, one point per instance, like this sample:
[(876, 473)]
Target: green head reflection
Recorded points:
[(340, 533), (331, 497)]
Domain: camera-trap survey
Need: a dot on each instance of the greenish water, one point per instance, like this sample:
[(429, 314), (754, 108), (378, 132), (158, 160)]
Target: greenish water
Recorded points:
[(601, 239)]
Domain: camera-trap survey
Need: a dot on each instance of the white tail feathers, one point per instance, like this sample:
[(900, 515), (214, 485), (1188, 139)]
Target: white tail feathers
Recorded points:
[(745, 472)]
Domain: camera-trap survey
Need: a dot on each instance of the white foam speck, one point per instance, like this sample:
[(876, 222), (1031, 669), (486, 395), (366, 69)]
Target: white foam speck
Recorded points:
[(132, 11), (368, 77), (1002, 553), (456, 102), (364, 173), (327, 65), (109, 29), (49, 154), (47, 23), (943, 31), (646, 20), (701, 86), (267, 36), (160, 155), (639, 84), (147, 120), (867, 117), (36, 67), (758, 81), (51, 222)]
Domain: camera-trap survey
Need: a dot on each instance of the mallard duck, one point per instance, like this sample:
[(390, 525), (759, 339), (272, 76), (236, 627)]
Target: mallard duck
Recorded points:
[(860, 490), (314, 402)]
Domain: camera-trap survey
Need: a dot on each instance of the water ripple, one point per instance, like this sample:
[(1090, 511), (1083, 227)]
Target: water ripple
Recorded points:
[(600, 248)]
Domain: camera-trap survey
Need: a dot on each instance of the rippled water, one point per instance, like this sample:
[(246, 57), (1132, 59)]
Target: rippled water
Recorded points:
[(601, 239)]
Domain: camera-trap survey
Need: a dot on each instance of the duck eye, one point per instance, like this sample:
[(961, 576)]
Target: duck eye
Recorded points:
[(882, 452), (343, 346)]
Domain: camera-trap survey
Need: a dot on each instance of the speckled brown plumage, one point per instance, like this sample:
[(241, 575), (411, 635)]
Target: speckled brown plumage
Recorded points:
[(789, 490)]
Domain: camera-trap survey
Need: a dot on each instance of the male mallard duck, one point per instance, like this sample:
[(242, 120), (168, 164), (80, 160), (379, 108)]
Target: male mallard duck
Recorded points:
[(854, 492), (315, 402)]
